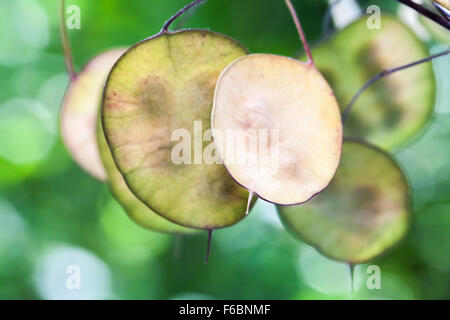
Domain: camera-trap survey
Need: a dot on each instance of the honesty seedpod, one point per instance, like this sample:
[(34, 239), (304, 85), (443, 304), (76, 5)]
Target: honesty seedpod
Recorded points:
[(135, 209), (287, 120), (392, 110), (159, 87), (79, 112), (362, 213)]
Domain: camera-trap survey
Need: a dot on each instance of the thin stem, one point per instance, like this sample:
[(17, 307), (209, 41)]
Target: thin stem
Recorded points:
[(208, 248), (300, 30), (166, 25), (65, 41), (386, 73), (427, 13), (188, 15)]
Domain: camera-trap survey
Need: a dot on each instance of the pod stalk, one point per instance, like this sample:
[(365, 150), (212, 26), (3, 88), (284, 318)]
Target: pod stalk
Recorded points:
[(169, 22), (250, 197), (208, 248), (300, 30), (352, 274), (386, 73)]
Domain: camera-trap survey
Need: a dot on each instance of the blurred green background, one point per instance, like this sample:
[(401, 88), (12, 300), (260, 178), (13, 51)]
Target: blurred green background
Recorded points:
[(53, 215)]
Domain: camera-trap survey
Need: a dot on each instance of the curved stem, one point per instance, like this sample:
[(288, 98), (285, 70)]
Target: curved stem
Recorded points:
[(188, 15), (299, 30), (427, 13), (65, 41), (386, 73), (166, 25)]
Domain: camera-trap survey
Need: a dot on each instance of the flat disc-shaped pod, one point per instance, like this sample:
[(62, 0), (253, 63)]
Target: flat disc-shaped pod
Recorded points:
[(79, 112), (136, 210), (362, 213), (157, 93), (277, 127), (393, 109)]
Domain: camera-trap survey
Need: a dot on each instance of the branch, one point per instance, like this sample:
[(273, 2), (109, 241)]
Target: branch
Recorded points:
[(386, 73), (427, 13), (166, 25), (65, 41), (300, 31)]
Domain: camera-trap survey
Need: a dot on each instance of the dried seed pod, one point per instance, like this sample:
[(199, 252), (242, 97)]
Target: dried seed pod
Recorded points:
[(79, 112), (135, 209), (364, 211), (157, 90), (392, 110), (288, 101)]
